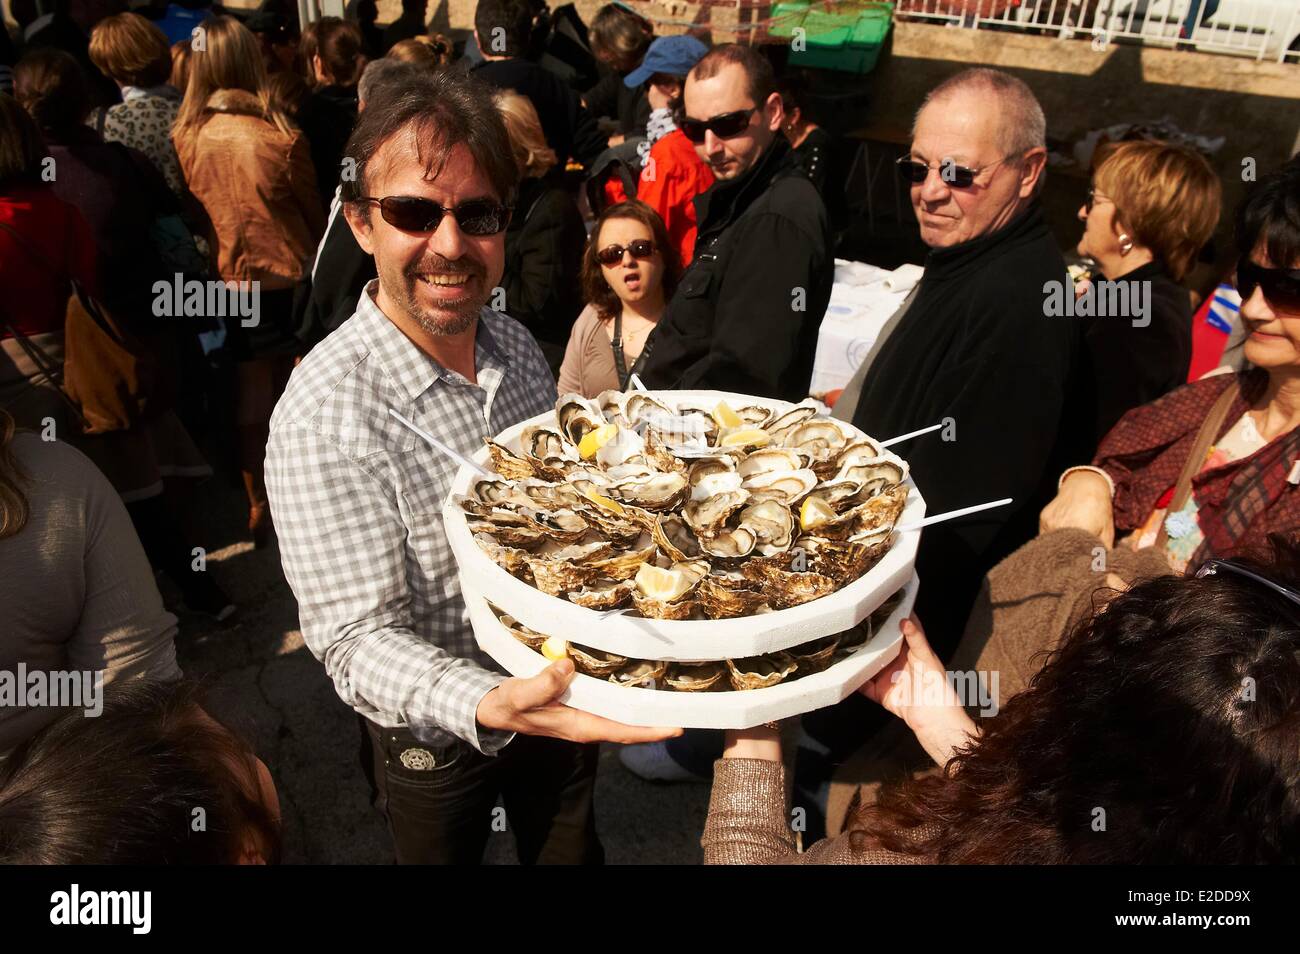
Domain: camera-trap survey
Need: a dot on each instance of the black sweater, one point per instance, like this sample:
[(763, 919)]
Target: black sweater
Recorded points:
[(1126, 366), (544, 246), (975, 346), (569, 129)]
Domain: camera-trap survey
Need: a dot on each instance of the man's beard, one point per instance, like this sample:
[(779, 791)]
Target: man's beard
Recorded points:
[(452, 318)]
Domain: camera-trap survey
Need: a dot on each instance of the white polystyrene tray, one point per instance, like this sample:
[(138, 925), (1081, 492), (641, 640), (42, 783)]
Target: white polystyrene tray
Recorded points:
[(684, 640), (696, 710)]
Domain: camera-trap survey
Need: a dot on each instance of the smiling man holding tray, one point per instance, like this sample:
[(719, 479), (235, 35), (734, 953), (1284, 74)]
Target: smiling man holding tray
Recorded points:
[(357, 497)]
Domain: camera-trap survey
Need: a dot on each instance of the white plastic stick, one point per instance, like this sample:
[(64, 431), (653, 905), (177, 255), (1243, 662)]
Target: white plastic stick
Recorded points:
[(952, 515), (910, 434), (440, 446), (635, 382)]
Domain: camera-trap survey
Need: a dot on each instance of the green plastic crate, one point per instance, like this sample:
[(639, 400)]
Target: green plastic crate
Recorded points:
[(848, 39)]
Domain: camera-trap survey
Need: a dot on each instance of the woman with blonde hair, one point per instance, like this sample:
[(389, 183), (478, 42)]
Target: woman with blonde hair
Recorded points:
[(252, 170), (1150, 211), (545, 238), (431, 52)]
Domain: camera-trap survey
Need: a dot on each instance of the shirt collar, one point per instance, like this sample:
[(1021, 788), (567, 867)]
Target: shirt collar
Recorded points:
[(411, 371)]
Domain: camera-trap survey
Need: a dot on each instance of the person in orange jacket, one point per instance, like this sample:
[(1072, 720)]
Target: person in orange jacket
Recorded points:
[(672, 175)]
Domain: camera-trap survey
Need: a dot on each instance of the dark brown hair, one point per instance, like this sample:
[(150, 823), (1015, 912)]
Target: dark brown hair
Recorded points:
[(757, 67), (180, 74), (22, 148), (131, 50), (1164, 730), (123, 787), (444, 110), (594, 287), (14, 508), (50, 85), (620, 36), (340, 46)]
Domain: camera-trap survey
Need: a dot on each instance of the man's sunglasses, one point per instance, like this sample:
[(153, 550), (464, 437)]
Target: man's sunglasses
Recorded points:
[(1281, 286), (611, 255), (726, 126), (1212, 568), (963, 177), (411, 213)]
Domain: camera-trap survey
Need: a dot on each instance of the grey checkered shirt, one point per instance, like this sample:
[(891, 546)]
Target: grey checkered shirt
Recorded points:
[(357, 502)]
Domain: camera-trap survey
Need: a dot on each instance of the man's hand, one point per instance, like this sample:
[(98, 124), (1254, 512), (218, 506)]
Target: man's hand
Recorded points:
[(529, 706), (1083, 503)]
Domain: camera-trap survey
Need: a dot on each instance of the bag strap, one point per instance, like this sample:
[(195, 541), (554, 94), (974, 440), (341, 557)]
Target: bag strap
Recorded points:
[(1205, 438), (48, 367), (620, 361)]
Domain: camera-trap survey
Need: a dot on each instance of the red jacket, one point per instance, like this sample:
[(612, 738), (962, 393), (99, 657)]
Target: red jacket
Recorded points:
[(673, 176), (35, 300)]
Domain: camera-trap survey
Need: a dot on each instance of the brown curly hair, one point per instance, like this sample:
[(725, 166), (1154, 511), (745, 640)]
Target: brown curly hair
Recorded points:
[(595, 289)]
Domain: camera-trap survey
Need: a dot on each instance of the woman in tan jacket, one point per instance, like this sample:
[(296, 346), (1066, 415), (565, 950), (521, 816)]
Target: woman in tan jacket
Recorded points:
[(252, 171), (1165, 730)]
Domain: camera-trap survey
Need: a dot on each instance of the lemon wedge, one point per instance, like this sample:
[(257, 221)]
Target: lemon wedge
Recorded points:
[(660, 584), (814, 513), (595, 439), (725, 416), (605, 503), (555, 648), (745, 437)]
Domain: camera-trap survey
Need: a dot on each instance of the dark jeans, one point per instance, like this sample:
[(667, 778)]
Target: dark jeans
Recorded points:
[(444, 814)]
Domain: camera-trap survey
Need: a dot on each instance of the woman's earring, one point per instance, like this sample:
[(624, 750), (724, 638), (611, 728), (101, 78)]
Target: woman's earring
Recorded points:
[(1125, 243)]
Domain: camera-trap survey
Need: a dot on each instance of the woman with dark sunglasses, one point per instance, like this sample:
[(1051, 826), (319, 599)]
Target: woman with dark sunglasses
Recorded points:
[(629, 272)]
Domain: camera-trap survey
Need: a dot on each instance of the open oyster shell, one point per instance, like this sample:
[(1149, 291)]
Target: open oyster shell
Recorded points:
[(760, 672), (815, 656), (785, 588), (603, 594), (595, 662), (695, 677), (640, 674), (507, 463)]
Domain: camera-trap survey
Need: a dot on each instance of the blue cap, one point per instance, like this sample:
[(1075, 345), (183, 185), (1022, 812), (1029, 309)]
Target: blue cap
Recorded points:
[(672, 55)]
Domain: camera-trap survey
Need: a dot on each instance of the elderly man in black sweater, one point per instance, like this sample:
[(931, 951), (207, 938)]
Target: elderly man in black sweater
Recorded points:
[(973, 346), (746, 312)]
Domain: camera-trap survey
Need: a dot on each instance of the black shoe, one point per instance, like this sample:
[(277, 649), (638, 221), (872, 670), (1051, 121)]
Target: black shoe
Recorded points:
[(202, 595)]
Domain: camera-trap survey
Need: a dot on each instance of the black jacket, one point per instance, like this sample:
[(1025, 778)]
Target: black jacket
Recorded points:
[(327, 119), (544, 246), (612, 98), (569, 129), (1127, 365), (328, 294), (746, 313), (976, 346)]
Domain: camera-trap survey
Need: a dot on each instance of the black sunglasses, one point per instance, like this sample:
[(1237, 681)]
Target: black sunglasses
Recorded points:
[(411, 213), (613, 254), (1281, 286), (963, 177), (1212, 567), (724, 127)]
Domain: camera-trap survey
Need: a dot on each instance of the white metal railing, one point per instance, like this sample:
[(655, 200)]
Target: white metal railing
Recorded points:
[(1263, 29)]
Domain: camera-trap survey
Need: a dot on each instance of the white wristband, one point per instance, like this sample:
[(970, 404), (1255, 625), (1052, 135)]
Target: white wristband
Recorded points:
[(1092, 470)]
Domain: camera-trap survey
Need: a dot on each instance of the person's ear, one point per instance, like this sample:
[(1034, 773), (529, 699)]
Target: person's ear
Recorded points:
[(318, 69), (1031, 172), (358, 219), (773, 112)]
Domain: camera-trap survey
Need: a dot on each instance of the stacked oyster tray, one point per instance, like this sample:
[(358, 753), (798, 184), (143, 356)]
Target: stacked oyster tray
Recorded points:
[(706, 559)]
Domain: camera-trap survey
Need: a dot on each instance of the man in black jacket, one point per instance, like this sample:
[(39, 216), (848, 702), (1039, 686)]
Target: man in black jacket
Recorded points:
[(746, 313), (503, 29)]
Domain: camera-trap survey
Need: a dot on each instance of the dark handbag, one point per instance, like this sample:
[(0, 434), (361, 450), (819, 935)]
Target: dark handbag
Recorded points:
[(107, 373), (620, 360)]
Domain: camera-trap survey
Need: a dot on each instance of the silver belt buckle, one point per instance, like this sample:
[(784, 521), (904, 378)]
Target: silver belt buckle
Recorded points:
[(418, 760)]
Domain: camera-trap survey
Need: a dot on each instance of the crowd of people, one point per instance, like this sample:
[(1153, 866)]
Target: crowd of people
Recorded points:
[(384, 219)]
